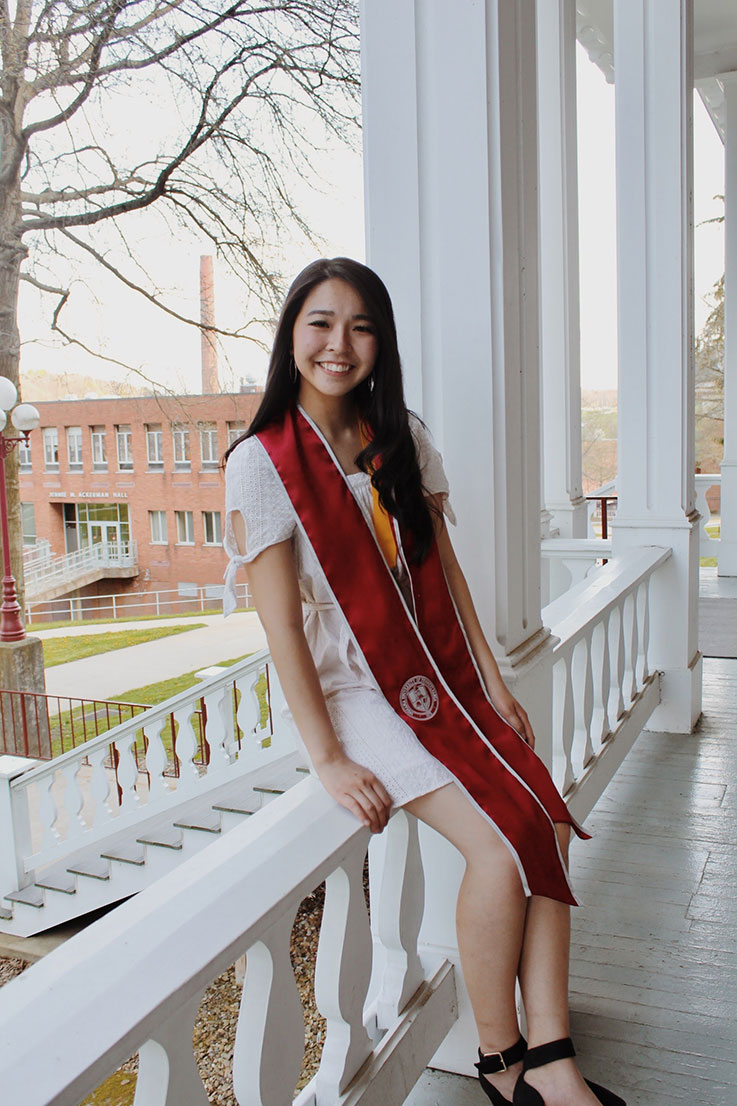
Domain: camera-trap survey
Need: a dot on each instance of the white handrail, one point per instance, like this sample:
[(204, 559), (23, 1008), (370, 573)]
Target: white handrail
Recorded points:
[(601, 671), (134, 979), (110, 804), (68, 566)]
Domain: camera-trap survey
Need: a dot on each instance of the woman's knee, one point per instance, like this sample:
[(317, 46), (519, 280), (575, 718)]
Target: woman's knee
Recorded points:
[(451, 813)]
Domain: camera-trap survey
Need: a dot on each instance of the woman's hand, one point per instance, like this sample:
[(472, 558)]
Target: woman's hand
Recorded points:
[(357, 789), (513, 713)]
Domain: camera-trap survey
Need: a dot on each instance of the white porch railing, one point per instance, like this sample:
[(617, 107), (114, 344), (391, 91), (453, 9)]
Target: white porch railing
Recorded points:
[(72, 815), (603, 689), (708, 540), (158, 952), (146, 964), (44, 572)]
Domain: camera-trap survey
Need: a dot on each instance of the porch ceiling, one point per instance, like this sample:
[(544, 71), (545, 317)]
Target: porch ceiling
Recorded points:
[(715, 45)]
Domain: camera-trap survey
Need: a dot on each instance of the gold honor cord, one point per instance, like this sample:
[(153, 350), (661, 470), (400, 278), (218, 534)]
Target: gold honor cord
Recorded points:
[(382, 522)]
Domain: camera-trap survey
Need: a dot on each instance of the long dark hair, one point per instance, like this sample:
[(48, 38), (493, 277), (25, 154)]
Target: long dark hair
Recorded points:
[(379, 399)]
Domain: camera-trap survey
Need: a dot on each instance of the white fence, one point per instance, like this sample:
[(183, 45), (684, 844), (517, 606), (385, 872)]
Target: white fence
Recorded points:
[(145, 967), (135, 604), (71, 817), (603, 689), (135, 978)]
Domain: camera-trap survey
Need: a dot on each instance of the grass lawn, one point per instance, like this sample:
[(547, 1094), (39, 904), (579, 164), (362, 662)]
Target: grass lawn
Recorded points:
[(60, 650), (87, 722), (151, 694)]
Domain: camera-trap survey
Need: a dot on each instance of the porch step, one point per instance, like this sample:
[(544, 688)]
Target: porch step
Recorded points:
[(208, 823), (91, 865), (126, 852), (61, 880), (130, 859), (163, 838), (29, 896)]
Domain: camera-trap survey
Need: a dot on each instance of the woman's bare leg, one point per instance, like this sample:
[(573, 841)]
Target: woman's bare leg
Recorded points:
[(502, 934), (543, 975), (490, 919)]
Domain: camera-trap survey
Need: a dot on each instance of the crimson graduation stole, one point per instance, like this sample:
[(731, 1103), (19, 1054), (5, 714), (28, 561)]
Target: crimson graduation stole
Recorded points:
[(421, 661)]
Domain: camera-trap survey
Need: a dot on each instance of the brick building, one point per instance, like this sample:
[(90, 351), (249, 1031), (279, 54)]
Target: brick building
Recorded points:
[(144, 470)]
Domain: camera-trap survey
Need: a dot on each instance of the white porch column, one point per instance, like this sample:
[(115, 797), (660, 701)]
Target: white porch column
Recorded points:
[(450, 149), (653, 53), (559, 290), (728, 546)]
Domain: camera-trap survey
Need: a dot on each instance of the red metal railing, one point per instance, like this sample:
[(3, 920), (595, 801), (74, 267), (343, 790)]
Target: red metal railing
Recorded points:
[(603, 501), (34, 724)]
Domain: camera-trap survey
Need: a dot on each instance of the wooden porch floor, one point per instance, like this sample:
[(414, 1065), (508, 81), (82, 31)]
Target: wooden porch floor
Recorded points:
[(654, 957)]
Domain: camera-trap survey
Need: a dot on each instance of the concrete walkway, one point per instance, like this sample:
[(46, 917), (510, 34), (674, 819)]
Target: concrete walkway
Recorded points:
[(111, 674)]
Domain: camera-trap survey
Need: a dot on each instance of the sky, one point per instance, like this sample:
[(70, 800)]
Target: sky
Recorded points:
[(120, 324)]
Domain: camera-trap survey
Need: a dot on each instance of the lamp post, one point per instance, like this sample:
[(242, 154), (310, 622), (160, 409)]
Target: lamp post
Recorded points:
[(24, 418)]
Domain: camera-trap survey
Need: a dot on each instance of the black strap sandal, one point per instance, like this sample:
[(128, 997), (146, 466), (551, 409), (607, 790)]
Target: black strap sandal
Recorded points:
[(525, 1095), (492, 1062)]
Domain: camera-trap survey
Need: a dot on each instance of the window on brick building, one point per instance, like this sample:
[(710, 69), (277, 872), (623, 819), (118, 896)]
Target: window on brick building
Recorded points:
[(213, 527), (51, 448), (124, 444), (24, 455), (74, 448), (209, 445), (154, 445), (28, 521), (235, 429), (180, 433), (159, 531), (99, 448), (185, 527)]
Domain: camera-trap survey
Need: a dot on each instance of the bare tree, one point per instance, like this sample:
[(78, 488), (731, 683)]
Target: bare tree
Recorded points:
[(234, 90)]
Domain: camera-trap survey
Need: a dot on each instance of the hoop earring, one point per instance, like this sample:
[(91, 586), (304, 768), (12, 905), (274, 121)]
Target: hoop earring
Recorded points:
[(293, 373)]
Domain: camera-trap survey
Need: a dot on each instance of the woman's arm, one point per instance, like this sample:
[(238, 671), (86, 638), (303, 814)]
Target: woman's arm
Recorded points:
[(275, 588), (503, 700)]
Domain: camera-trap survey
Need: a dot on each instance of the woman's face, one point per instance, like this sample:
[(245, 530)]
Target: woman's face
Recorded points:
[(333, 342)]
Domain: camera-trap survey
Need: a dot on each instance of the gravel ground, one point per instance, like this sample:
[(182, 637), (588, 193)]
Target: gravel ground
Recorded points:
[(214, 1032)]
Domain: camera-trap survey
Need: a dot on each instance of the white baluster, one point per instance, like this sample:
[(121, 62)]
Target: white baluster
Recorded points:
[(73, 801), (219, 729), (47, 811), (186, 747), (400, 909), (606, 676), (645, 630), (127, 773), (259, 691), (618, 662), (342, 977), (564, 694), (167, 1071), (269, 1041), (100, 786), (587, 697), (247, 714), (634, 646), (157, 758)]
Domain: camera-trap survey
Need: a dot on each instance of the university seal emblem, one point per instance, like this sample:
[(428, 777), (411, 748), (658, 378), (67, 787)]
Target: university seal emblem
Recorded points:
[(419, 698)]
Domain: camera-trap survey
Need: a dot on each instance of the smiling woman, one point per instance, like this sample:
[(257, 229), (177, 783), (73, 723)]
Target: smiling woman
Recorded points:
[(335, 499)]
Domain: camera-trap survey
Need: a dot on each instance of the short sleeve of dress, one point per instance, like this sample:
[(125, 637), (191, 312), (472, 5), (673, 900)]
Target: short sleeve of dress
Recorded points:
[(434, 480), (253, 488)]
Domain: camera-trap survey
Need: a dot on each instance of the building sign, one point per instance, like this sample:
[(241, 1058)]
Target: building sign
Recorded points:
[(88, 495)]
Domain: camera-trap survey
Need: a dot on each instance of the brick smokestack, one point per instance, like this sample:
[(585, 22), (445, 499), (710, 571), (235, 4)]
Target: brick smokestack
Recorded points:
[(210, 384)]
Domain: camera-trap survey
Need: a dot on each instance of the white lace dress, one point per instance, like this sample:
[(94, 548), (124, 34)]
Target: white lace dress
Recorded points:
[(370, 731)]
